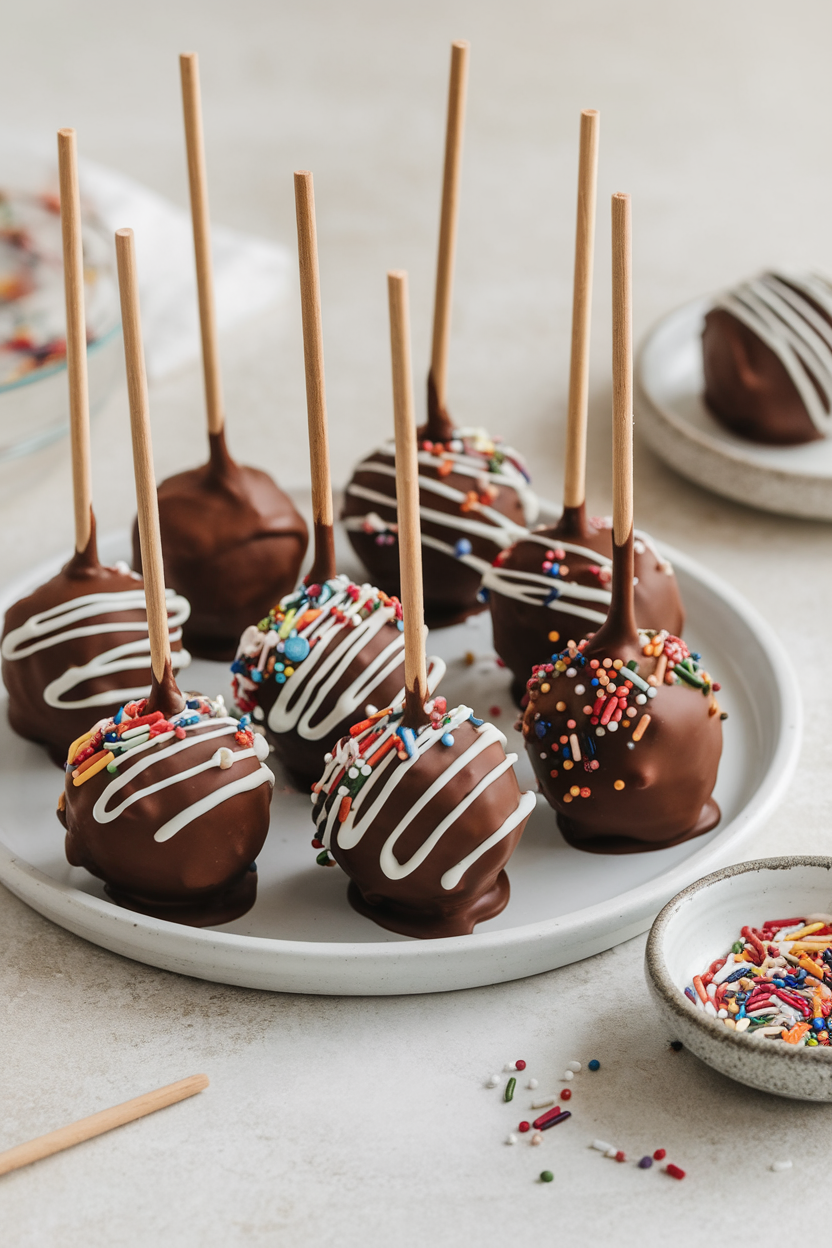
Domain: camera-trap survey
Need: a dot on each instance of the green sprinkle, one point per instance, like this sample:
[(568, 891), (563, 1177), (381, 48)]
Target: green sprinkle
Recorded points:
[(111, 767), (737, 947), (633, 664), (688, 677), (323, 858), (546, 1176), (510, 1086)]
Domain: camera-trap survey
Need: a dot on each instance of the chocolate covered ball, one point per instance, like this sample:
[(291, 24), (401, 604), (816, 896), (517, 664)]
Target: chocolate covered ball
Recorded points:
[(626, 744), (553, 586), (474, 499), (312, 666), (422, 821), (78, 648), (767, 356), (232, 543), (170, 809)]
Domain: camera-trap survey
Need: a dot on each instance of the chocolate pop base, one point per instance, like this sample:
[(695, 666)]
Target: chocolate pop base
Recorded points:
[(233, 544), (409, 921)]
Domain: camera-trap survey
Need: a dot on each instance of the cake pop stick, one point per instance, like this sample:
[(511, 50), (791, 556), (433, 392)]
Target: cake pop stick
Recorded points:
[(574, 488), (165, 695), (76, 341), (440, 427), (407, 498), (323, 565), (192, 108)]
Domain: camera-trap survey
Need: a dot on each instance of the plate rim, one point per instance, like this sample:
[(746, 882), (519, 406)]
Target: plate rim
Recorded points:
[(634, 908)]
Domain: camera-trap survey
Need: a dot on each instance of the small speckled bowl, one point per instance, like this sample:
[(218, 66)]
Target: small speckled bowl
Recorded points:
[(699, 925)]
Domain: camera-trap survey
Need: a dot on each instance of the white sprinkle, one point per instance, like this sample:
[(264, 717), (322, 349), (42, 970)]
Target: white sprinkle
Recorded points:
[(651, 692), (611, 1152), (550, 1100), (781, 1165), (600, 732), (722, 1013), (630, 745), (511, 1138), (510, 1066), (580, 689), (493, 1081), (225, 758), (573, 1065), (531, 1085), (537, 1138), (366, 770), (259, 713), (602, 1146), (641, 698), (369, 709), (570, 671), (314, 797), (613, 726), (343, 791), (743, 1024), (568, 1074), (353, 773)]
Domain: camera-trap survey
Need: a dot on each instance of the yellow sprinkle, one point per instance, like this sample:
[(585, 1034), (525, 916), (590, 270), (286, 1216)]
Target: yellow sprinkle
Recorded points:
[(288, 671), (286, 626), (76, 746), (554, 636), (641, 727), (560, 666), (567, 764), (560, 706), (575, 790), (618, 663), (94, 770), (545, 688), (470, 658), (804, 931), (567, 797), (618, 784)]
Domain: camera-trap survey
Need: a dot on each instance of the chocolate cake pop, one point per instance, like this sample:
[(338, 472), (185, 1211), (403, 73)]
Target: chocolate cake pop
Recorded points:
[(328, 651), (767, 355), (168, 801), (419, 805), (554, 584), (623, 729), (232, 541), (78, 643), (474, 491)]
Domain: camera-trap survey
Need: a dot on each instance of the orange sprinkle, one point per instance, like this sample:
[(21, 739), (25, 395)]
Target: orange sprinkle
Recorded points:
[(381, 751), (797, 1032), (344, 808), (641, 727)]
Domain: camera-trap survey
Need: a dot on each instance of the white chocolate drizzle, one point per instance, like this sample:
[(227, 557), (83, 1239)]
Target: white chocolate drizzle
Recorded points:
[(782, 310), (318, 676), (65, 622), (391, 770)]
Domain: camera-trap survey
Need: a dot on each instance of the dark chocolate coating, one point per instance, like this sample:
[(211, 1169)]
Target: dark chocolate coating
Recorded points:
[(303, 758), (199, 876), (25, 679), (748, 388), (418, 905), (232, 542), (521, 630)]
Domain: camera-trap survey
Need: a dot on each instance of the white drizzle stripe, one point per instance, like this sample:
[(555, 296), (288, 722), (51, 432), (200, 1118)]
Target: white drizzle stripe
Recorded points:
[(777, 307), (385, 778), (501, 533), (54, 626), (527, 804), (318, 675), (139, 764)]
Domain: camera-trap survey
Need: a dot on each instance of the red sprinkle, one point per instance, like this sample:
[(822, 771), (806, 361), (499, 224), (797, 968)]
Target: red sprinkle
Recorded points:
[(675, 1172), (620, 1156), (660, 1154), (547, 1117), (316, 844), (494, 711), (520, 1064), (524, 1126), (566, 1094)]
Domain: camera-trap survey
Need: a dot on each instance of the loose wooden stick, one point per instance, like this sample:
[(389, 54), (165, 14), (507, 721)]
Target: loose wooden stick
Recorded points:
[(313, 357), (448, 219), (97, 1124), (407, 496), (148, 508), (622, 370), (192, 106), (574, 489), (76, 337)]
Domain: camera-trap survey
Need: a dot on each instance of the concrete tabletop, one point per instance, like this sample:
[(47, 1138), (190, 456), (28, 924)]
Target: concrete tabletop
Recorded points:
[(367, 1122)]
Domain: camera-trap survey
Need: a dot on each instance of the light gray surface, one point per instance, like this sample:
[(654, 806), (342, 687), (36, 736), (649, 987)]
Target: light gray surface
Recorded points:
[(364, 1122)]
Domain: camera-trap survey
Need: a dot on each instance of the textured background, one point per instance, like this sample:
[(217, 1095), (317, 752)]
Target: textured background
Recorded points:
[(350, 1122)]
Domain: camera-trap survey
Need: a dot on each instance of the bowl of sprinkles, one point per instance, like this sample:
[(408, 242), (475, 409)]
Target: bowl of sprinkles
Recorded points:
[(740, 967), (34, 402)]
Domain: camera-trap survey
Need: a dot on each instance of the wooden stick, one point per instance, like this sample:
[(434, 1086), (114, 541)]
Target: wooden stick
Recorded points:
[(97, 1124), (407, 498), (448, 219), (313, 355), (574, 489), (192, 106), (76, 337), (148, 508), (622, 369)]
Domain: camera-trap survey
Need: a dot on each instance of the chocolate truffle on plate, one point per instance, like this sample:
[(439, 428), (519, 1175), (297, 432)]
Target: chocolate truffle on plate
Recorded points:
[(553, 584), (233, 542), (623, 729), (77, 647), (419, 804), (474, 491), (767, 356), (168, 801)]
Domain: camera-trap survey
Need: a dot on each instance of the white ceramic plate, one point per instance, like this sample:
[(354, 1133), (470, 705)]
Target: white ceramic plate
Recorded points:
[(671, 414), (302, 936)]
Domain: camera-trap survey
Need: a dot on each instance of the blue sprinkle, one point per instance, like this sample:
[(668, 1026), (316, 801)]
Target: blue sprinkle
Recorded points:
[(564, 752), (408, 738), (476, 722), (595, 681), (689, 993), (540, 729), (119, 715), (595, 1064), (447, 739), (554, 570), (696, 657), (111, 736), (280, 678), (483, 595), (819, 1024), (238, 667), (400, 625), (255, 675), (553, 594), (245, 720), (463, 547), (253, 867), (296, 649), (192, 704)]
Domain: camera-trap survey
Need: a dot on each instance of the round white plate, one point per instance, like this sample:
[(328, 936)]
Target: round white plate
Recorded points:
[(672, 415), (302, 936)]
